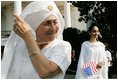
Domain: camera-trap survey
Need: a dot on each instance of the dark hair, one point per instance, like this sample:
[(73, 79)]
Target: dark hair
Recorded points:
[(90, 29), (92, 25)]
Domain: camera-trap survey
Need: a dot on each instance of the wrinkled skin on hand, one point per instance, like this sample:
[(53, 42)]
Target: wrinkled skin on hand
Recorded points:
[(21, 28)]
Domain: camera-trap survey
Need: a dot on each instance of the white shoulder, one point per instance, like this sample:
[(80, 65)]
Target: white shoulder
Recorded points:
[(85, 42), (101, 44), (63, 43)]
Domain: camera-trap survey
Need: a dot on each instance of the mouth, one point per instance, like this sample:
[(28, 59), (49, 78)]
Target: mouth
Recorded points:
[(50, 33), (51, 36)]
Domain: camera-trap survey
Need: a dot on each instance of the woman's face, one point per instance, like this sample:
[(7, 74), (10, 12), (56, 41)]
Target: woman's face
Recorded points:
[(47, 30), (94, 32)]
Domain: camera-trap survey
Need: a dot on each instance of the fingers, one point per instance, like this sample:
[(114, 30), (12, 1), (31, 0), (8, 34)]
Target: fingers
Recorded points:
[(20, 27), (18, 23), (98, 66), (15, 29), (18, 17), (18, 30)]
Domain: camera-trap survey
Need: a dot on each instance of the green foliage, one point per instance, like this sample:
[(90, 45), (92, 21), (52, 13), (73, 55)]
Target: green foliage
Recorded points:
[(105, 14)]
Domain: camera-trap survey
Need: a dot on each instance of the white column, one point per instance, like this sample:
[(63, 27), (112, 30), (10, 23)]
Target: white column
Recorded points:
[(17, 7), (67, 14)]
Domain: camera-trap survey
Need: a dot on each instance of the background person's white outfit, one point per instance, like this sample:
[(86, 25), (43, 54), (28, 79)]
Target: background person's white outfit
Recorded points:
[(109, 58), (16, 62), (92, 52)]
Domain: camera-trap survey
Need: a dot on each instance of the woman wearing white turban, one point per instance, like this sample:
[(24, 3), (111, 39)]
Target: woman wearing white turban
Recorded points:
[(36, 49)]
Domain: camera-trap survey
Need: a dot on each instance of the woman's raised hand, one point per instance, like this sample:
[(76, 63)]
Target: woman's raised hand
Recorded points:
[(21, 27)]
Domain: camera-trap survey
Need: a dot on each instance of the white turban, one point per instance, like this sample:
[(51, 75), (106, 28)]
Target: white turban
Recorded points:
[(34, 14)]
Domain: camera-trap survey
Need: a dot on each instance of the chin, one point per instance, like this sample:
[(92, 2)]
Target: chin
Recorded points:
[(50, 39), (96, 36)]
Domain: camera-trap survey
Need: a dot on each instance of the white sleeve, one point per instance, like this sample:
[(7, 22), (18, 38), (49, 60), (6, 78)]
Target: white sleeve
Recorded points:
[(109, 55), (105, 71), (62, 55), (105, 67), (80, 74)]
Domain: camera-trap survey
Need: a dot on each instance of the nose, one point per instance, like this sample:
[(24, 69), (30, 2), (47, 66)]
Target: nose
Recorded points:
[(53, 27)]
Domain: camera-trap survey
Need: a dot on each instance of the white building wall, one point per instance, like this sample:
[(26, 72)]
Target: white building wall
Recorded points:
[(7, 18)]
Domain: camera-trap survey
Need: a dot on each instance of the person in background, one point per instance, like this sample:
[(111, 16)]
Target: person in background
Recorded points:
[(108, 53), (93, 54), (109, 57), (35, 48)]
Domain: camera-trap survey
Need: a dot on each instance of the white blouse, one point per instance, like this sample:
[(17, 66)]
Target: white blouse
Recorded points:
[(58, 51), (91, 52)]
